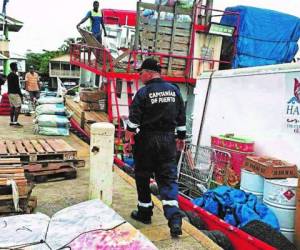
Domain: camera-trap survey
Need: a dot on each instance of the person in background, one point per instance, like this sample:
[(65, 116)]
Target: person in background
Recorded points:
[(14, 95), (156, 112), (96, 19), (3, 79), (32, 85)]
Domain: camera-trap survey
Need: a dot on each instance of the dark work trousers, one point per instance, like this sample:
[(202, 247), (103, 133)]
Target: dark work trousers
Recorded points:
[(155, 152)]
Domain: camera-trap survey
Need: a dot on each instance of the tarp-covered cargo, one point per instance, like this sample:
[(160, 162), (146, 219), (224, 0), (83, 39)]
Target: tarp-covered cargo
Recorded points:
[(265, 37)]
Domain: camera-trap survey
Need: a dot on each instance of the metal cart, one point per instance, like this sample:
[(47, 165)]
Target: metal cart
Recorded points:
[(201, 168)]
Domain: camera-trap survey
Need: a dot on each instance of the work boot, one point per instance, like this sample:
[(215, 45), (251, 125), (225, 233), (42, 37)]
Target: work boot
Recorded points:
[(143, 214), (175, 224)]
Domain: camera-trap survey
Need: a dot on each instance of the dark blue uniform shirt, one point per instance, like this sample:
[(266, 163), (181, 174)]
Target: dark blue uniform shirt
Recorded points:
[(158, 107)]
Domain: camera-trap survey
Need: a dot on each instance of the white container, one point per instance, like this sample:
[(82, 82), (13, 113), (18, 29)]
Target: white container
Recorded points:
[(281, 192), (289, 234), (280, 197), (251, 182)]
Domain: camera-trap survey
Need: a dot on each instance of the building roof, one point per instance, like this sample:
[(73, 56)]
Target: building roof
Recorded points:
[(13, 24), (63, 58), (16, 56)]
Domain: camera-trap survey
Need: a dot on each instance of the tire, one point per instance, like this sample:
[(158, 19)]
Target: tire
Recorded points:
[(219, 238), (195, 220)]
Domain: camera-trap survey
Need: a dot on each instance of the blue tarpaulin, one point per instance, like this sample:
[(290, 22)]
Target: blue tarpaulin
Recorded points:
[(236, 207), (265, 37)]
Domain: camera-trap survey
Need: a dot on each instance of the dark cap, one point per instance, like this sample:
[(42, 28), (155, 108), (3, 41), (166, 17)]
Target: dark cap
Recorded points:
[(150, 64), (31, 67)]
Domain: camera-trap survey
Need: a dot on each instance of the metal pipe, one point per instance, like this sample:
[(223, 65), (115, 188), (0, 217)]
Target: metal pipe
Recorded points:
[(208, 11)]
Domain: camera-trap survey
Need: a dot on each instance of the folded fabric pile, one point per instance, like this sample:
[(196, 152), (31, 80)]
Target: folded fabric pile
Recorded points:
[(236, 207), (51, 117)]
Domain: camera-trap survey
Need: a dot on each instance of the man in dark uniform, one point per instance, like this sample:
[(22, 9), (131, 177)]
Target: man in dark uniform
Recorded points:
[(155, 113)]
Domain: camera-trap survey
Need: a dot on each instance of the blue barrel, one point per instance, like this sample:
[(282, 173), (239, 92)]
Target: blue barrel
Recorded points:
[(280, 197)]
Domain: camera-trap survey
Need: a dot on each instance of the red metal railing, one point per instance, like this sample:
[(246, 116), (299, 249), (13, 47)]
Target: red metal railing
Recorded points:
[(100, 61)]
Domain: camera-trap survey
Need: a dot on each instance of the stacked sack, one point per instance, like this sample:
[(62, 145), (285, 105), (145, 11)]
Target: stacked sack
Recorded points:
[(51, 117)]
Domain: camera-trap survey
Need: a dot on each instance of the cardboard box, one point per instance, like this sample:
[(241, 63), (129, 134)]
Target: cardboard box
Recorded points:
[(93, 106), (297, 219), (269, 167), (90, 95)]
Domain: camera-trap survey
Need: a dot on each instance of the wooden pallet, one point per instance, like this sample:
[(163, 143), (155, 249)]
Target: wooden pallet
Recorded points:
[(26, 203), (11, 170), (37, 150), (45, 175), (46, 166)]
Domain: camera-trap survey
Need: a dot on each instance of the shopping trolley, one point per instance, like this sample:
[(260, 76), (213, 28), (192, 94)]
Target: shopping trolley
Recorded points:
[(201, 168)]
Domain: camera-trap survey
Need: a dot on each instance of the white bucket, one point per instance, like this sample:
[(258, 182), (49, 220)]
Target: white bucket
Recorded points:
[(280, 197), (251, 182)]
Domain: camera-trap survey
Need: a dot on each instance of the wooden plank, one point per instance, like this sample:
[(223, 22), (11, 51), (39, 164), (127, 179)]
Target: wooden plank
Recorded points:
[(55, 171), (37, 146), (4, 161), (178, 53), (55, 145), (166, 45), (46, 146), (29, 148), (167, 23), (3, 149), (157, 25), (172, 38), (166, 38), (20, 147), (167, 31), (10, 197), (65, 146), (11, 147)]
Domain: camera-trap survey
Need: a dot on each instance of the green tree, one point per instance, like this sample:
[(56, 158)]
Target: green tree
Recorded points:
[(40, 61), (65, 47)]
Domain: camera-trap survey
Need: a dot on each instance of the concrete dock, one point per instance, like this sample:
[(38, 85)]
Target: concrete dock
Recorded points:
[(56, 195)]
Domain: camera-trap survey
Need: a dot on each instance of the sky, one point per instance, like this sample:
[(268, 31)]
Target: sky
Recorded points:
[(47, 23)]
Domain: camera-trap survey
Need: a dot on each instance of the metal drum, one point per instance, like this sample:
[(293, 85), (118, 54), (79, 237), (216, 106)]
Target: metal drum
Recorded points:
[(252, 183), (258, 195), (289, 234), (280, 197)]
